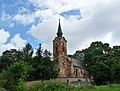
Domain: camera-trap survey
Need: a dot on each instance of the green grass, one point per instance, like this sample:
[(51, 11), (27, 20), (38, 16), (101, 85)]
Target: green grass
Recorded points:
[(55, 86)]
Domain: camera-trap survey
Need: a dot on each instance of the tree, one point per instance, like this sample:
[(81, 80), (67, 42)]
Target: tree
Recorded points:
[(117, 73), (27, 51), (101, 73), (115, 64), (17, 72), (39, 52), (80, 55), (46, 53), (44, 67), (96, 56), (8, 57), (47, 72)]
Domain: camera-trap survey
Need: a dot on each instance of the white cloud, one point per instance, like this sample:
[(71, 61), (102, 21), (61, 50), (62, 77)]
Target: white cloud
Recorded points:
[(43, 14), (44, 31), (18, 42), (23, 10), (15, 43), (25, 19), (12, 25), (4, 47), (3, 36), (5, 16), (100, 22)]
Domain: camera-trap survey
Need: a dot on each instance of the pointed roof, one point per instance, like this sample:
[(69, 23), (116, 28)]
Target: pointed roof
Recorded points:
[(59, 32)]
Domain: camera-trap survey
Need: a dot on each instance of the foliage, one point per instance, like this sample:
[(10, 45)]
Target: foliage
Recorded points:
[(8, 57), (2, 89), (44, 69), (17, 72), (46, 54), (39, 52), (57, 86), (28, 51), (100, 72), (102, 61), (14, 71)]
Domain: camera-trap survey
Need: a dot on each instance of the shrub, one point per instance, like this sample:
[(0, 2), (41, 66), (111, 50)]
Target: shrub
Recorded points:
[(58, 86)]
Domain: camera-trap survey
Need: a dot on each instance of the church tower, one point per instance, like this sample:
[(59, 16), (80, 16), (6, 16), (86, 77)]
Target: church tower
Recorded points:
[(60, 54)]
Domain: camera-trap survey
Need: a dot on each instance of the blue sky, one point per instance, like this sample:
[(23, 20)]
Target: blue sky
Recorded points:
[(10, 8), (36, 21)]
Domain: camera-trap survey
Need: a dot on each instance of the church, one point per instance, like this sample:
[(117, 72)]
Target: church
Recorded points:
[(67, 67)]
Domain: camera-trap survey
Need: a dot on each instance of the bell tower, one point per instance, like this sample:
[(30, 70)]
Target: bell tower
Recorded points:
[(59, 43), (60, 53)]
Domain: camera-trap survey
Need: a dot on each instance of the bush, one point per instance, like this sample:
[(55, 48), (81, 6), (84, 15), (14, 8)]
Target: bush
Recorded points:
[(57, 86), (48, 86)]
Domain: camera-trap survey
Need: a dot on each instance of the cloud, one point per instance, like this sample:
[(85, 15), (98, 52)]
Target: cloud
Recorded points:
[(93, 20), (18, 42), (12, 25), (44, 31), (23, 10), (25, 19), (100, 22), (15, 43), (5, 16), (4, 35), (4, 47)]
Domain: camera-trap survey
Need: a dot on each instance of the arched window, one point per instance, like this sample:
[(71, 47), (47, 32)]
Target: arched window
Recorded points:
[(76, 73)]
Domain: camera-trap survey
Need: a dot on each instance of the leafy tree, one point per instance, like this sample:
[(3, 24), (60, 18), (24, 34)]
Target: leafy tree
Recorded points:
[(96, 56), (39, 52), (46, 53), (8, 57), (101, 73), (27, 51), (44, 67), (17, 72), (80, 55), (115, 64), (117, 73)]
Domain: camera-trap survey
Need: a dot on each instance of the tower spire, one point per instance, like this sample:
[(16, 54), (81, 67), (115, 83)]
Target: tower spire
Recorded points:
[(59, 33)]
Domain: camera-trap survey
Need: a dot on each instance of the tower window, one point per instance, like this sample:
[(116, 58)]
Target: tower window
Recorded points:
[(63, 47), (56, 48)]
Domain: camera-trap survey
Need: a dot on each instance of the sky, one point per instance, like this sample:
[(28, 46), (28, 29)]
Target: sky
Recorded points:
[(36, 21)]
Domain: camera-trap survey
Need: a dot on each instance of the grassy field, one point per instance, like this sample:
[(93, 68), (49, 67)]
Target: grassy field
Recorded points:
[(55, 86)]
